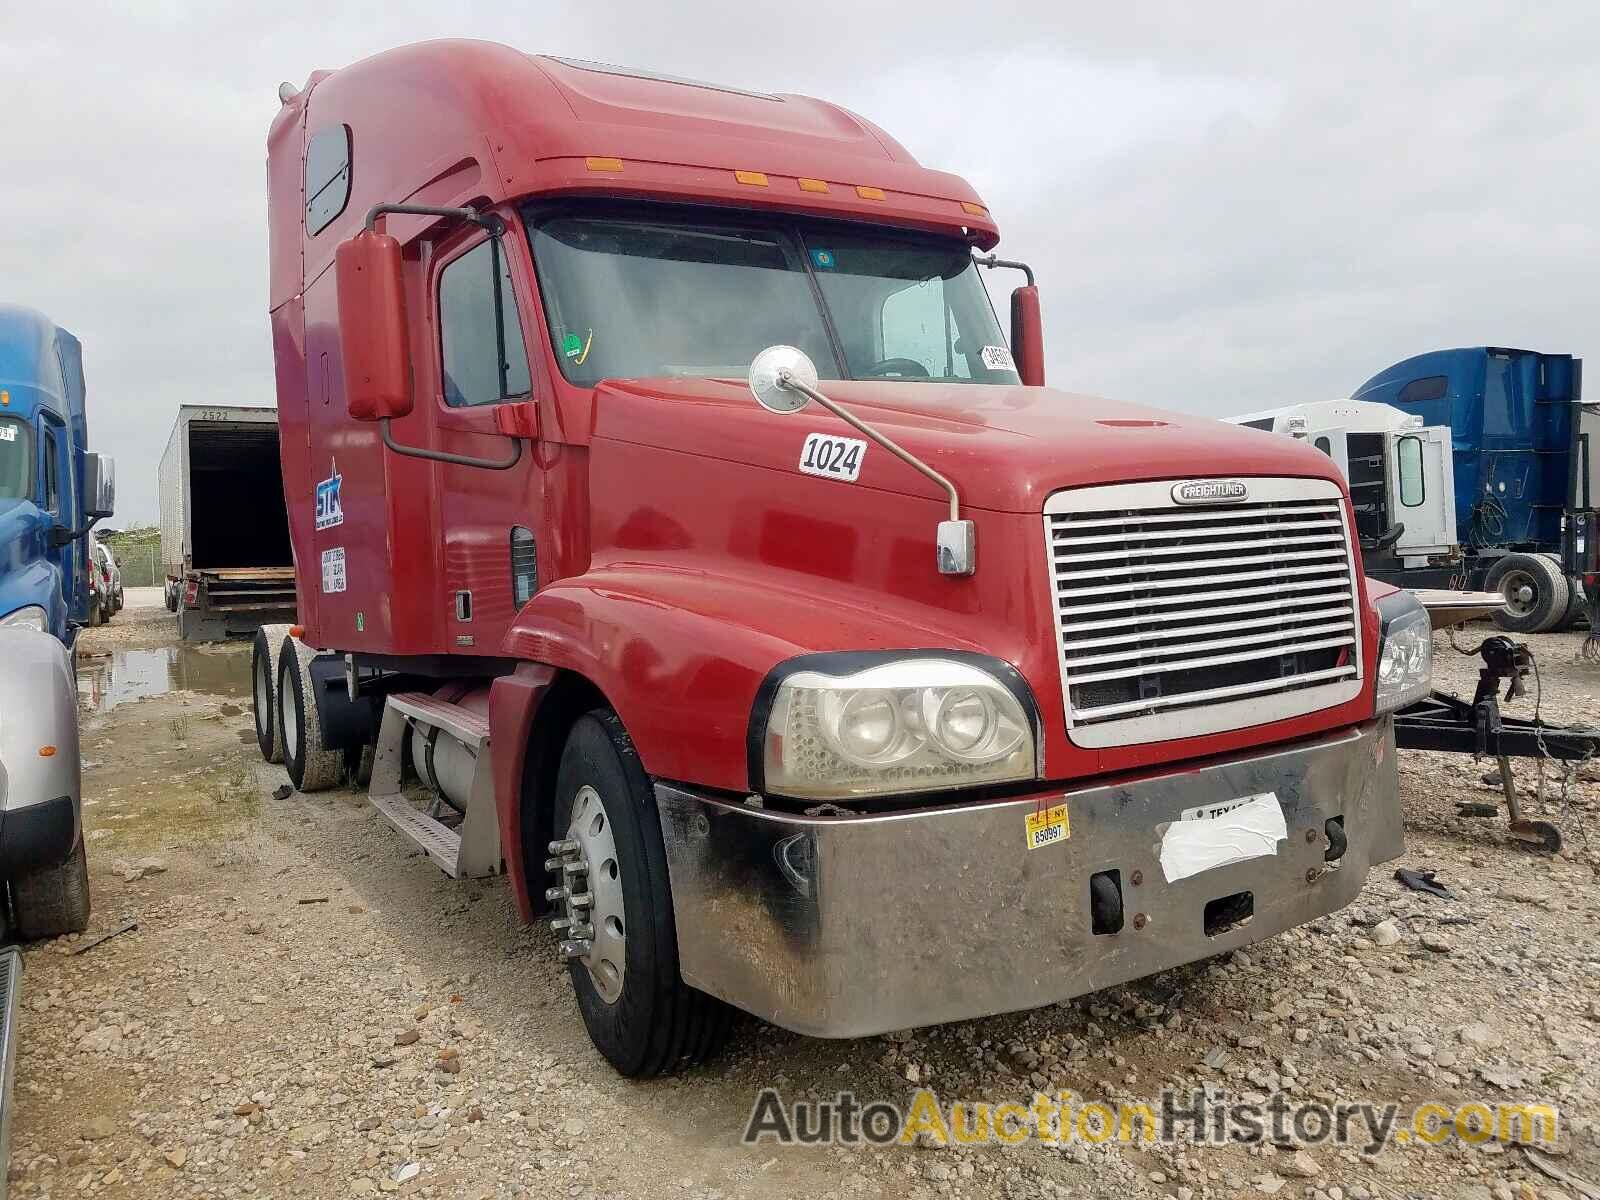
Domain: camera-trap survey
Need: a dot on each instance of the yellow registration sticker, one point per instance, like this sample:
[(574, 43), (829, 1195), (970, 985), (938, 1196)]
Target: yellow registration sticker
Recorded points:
[(1048, 827)]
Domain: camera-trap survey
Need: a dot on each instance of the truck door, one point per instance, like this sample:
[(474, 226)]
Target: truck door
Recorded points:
[(488, 518), (1421, 489), (56, 497)]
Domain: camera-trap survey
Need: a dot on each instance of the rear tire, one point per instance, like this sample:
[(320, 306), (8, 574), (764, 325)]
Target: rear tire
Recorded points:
[(264, 651), (1575, 602), (53, 901), (656, 1024), (311, 767), (1535, 590)]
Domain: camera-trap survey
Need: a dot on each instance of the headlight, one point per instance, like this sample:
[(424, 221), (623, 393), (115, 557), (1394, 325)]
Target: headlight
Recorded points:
[(1405, 652), (29, 616), (909, 725)]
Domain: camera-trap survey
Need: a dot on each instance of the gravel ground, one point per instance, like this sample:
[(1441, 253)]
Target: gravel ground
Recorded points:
[(305, 1009)]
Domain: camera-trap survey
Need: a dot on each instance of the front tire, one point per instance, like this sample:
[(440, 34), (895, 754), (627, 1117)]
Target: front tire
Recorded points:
[(1535, 590), (639, 1013), (53, 901), (264, 652), (311, 767)]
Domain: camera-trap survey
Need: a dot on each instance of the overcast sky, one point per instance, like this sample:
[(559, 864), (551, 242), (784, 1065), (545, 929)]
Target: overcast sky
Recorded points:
[(1229, 207)]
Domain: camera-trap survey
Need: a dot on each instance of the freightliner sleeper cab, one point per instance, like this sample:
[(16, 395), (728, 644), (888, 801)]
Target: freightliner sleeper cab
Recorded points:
[(913, 692)]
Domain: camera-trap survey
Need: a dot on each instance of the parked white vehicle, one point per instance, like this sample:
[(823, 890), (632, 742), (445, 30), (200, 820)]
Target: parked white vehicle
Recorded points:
[(42, 859), (107, 578)]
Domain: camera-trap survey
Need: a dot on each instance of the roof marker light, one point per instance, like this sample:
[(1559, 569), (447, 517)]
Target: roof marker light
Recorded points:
[(812, 185), (611, 165), (753, 178), (976, 210), (869, 193), (5, 399)]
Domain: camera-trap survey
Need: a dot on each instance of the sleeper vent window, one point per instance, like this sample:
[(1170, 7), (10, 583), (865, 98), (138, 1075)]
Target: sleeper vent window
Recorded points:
[(327, 176), (524, 565)]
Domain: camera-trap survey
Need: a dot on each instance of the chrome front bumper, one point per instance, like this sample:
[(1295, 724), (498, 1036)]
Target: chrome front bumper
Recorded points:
[(845, 926)]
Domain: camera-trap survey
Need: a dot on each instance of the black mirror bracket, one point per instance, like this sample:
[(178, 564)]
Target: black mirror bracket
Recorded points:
[(61, 536)]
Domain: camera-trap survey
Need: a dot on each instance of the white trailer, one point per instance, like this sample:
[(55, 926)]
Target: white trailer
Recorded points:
[(224, 526)]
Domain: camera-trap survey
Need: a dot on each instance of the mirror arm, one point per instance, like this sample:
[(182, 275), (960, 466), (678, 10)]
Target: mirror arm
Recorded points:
[(458, 460), (489, 221), (992, 261), (789, 380), (60, 535)]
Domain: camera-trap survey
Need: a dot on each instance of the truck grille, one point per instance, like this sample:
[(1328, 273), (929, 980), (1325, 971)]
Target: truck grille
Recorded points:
[(1175, 620)]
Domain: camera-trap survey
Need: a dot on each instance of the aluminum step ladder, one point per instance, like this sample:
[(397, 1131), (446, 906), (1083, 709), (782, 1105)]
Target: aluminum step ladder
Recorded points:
[(473, 849)]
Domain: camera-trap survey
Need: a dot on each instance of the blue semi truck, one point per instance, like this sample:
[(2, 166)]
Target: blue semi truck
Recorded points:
[(1526, 469), (52, 491)]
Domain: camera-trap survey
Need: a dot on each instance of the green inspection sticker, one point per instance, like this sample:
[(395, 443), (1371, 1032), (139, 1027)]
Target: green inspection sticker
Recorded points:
[(571, 346)]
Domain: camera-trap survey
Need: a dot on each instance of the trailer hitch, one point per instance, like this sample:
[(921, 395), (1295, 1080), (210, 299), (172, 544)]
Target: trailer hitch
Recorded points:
[(1448, 723)]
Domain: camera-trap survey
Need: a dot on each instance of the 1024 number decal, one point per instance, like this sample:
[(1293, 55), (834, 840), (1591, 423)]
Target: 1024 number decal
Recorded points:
[(832, 457)]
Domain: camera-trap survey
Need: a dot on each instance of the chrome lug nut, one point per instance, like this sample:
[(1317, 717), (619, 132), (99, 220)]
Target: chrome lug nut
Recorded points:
[(554, 864), (556, 893), (583, 932), (576, 949), (580, 900), (560, 924), (564, 847)]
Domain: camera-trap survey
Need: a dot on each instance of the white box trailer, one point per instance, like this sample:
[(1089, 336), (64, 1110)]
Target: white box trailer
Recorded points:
[(224, 526)]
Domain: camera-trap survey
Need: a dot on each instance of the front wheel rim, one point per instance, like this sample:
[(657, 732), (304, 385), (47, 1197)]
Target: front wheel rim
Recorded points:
[(606, 958)]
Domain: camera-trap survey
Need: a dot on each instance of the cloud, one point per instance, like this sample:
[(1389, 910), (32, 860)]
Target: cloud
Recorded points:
[(1229, 206)]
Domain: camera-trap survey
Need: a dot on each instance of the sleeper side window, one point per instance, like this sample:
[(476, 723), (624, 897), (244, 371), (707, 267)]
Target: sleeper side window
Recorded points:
[(480, 334), (327, 176)]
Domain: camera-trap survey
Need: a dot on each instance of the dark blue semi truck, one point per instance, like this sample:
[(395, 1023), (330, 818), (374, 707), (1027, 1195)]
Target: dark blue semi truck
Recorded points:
[(1526, 455), (52, 490)]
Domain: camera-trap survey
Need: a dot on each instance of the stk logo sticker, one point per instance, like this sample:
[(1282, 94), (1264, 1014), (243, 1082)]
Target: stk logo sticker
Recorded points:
[(1210, 491), (330, 507)]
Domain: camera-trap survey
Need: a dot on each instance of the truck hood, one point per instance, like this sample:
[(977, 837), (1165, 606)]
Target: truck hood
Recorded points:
[(1006, 448)]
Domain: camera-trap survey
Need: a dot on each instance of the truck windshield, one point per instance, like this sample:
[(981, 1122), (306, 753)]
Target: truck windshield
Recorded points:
[(16, 459), (629, 298)]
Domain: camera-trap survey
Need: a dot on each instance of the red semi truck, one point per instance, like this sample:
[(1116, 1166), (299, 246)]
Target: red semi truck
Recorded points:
[(665, 495)]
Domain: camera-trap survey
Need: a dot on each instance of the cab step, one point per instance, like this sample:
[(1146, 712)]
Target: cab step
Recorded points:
[(473, 848)]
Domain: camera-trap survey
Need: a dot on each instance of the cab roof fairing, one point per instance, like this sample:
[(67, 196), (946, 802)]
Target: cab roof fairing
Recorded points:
[(499, 125)]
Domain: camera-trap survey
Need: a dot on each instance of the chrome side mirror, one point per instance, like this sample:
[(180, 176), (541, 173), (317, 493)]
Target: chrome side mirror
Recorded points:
[(99, 486), (771, 391)]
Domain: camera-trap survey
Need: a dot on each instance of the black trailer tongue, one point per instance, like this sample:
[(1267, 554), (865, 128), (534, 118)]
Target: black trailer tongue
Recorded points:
[(1448, 723)]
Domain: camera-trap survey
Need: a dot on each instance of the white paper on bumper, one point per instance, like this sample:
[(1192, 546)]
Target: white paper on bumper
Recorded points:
[(1249, 829)]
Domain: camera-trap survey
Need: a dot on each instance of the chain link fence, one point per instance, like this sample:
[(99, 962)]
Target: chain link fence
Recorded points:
[(140, 562)]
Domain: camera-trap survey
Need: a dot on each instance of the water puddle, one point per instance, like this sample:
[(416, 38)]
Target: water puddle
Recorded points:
[(115, 677)]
